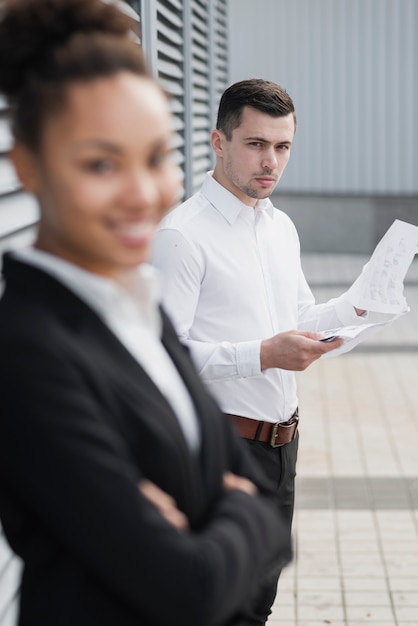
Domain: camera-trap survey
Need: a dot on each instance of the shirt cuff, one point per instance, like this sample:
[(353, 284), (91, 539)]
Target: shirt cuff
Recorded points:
[(347, 314), (248, 358)]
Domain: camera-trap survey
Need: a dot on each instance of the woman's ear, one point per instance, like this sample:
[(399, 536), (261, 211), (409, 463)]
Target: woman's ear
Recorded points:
[(25, 164)]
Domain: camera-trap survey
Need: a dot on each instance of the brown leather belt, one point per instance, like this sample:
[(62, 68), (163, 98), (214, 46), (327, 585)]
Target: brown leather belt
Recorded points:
[(277, 434)]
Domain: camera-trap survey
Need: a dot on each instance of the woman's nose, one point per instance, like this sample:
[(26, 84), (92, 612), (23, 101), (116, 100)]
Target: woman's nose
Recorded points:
[(141, 190)]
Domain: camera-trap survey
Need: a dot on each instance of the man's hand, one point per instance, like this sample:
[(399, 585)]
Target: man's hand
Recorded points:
[(294, 350), (165, 504)]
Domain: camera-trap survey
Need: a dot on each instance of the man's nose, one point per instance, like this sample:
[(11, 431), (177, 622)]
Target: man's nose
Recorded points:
[(269, 159)]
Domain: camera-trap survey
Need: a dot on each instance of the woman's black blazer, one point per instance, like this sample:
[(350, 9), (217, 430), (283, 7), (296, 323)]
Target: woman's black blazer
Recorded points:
[(81, 424)]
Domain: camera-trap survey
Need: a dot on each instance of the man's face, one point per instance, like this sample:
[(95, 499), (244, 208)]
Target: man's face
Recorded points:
[(251, 163)]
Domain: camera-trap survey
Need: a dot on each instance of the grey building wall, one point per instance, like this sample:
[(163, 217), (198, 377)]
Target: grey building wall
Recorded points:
[(351, 67)]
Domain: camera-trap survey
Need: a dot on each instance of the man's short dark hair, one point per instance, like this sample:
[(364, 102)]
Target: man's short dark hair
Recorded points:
[(257, 93)]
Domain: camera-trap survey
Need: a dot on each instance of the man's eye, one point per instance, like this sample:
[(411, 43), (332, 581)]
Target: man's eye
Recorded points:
[(256, 144)]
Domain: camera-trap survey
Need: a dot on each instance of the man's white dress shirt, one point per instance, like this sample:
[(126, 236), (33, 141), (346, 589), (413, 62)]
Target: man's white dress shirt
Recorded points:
[(232, 277), (129, 307)]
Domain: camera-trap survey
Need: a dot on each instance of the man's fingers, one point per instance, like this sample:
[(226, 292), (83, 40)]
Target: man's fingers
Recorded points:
[(294, 350)]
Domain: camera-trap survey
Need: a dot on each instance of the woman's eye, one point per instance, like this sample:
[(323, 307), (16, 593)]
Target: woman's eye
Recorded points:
[(99, 166), (159, 159)]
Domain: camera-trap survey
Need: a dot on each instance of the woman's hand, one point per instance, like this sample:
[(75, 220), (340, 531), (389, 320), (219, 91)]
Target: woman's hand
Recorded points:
[(232, 481), (165, 504)]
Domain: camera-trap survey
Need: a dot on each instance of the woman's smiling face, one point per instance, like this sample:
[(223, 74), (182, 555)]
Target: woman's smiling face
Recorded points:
[(103, 174)]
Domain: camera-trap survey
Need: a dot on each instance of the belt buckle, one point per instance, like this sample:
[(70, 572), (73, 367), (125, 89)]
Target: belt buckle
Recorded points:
[(273, 436)]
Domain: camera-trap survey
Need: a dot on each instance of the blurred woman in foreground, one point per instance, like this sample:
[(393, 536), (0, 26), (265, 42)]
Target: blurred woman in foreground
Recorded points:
[(122, 487)]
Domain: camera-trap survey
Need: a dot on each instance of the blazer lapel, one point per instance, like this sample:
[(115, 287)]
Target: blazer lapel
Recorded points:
[(103, 351), (208, 412)]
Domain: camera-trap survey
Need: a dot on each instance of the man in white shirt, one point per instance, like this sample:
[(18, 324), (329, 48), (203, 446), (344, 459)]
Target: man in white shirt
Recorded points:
[(234, 287)]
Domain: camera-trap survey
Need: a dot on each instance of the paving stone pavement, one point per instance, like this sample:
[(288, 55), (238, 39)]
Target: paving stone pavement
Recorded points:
[(356, 519)]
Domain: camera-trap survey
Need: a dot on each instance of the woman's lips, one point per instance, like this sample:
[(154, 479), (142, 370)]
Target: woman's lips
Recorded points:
[(135, 233)]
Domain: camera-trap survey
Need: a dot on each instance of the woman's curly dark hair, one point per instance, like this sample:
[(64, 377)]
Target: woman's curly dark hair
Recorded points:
[(47, 44)]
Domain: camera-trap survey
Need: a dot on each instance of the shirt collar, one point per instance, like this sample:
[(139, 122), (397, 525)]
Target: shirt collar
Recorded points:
[(140, 286), (227, 204)]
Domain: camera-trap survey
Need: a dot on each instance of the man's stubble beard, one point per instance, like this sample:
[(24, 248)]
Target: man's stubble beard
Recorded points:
[(248, 191)]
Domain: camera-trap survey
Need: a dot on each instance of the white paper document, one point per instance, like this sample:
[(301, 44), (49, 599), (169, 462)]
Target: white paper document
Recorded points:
[(379, 288)]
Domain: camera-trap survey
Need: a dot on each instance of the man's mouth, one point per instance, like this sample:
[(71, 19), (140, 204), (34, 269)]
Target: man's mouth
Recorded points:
[(265, 181)]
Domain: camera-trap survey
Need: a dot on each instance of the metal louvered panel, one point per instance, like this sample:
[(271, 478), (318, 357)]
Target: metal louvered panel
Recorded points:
[(8, 179), (18, 212), (190, 60), (197, 60), (352, 69), (10, 568), (9, 618), (219, 33), (170, 64), (5, 135), (207, 38)]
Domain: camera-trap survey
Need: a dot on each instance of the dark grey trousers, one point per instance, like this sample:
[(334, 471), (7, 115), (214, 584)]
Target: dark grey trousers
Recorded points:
[(279, 465)]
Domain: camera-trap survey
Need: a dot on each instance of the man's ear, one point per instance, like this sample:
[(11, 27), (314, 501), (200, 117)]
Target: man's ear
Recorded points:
[(217, 138), (26, 167)]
